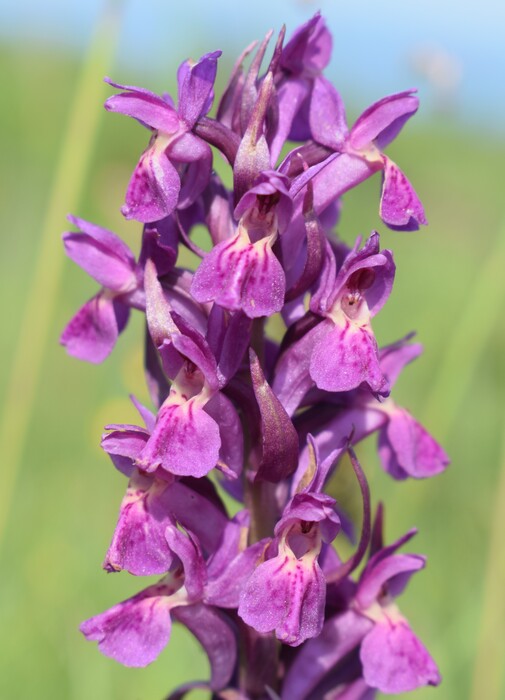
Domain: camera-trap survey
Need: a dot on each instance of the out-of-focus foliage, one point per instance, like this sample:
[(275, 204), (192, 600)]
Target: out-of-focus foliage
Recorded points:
[(62, 511)]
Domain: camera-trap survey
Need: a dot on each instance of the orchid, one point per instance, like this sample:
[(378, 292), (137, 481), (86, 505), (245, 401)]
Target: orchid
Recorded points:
[(228, 471)]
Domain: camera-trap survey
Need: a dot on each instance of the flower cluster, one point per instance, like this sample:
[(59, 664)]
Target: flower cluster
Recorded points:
[(241, 418)]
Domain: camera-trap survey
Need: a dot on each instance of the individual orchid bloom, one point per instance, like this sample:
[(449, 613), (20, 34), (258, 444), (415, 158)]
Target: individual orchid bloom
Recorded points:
[(243, 273), (406, 449), (135, 631), (287, 592), (393, 658), (340, 353), (187, 439), (358, 153), (92, 333), (176, 165), (369, 643)]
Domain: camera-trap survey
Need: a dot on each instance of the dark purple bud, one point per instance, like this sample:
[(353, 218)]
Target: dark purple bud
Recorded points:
[(279, 438)]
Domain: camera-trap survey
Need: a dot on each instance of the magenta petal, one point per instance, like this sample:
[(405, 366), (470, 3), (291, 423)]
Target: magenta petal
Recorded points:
[(345, 357), (215, 634), (393, 358), (135, 631), (154, 187), (383, 120), (93, 331), (196, 81), (185, 441), (395, 661), (139, 545), (124, 444), (286, 595), (407, 449), (189, 553), (239, 275), (143, 105), (101, 264), (400, 207), (327, 115), (197, 172), (102, 255), (390, 574)]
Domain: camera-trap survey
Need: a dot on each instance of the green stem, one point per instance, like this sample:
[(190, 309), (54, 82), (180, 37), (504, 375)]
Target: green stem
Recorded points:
[(70, 176)]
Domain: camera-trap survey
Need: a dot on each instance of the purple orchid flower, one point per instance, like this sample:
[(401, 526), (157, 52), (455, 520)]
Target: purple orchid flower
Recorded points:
[(274, 604), (243, 273), (93, 331), (187, 439), (153, 502), (358, 153), (287, 592), (340, 353), (389, 657), (135, 631), (406, 449), (156, 187)]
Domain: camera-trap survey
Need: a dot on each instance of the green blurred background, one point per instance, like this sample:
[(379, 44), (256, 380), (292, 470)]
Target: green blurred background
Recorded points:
[(59, 494)]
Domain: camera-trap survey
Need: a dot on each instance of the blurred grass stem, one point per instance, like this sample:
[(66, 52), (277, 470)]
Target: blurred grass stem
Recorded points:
[(468, 340), (489, 661), (70, 177)]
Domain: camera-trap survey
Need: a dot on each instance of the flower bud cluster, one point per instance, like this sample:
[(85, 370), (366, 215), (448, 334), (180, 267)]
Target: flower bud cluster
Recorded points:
[(239, 417)]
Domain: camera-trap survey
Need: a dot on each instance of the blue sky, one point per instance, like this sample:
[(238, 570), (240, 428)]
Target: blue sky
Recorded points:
[(376, 42)]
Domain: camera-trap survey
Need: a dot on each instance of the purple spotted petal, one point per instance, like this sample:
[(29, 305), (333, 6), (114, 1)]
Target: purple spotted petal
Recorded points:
[(286, 595), (345, 357), (407, 449), (154, 187), (139, 545), (239, 275), (185, 441), (93, 331), (400, 206), (395, 661), (135, 631)]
